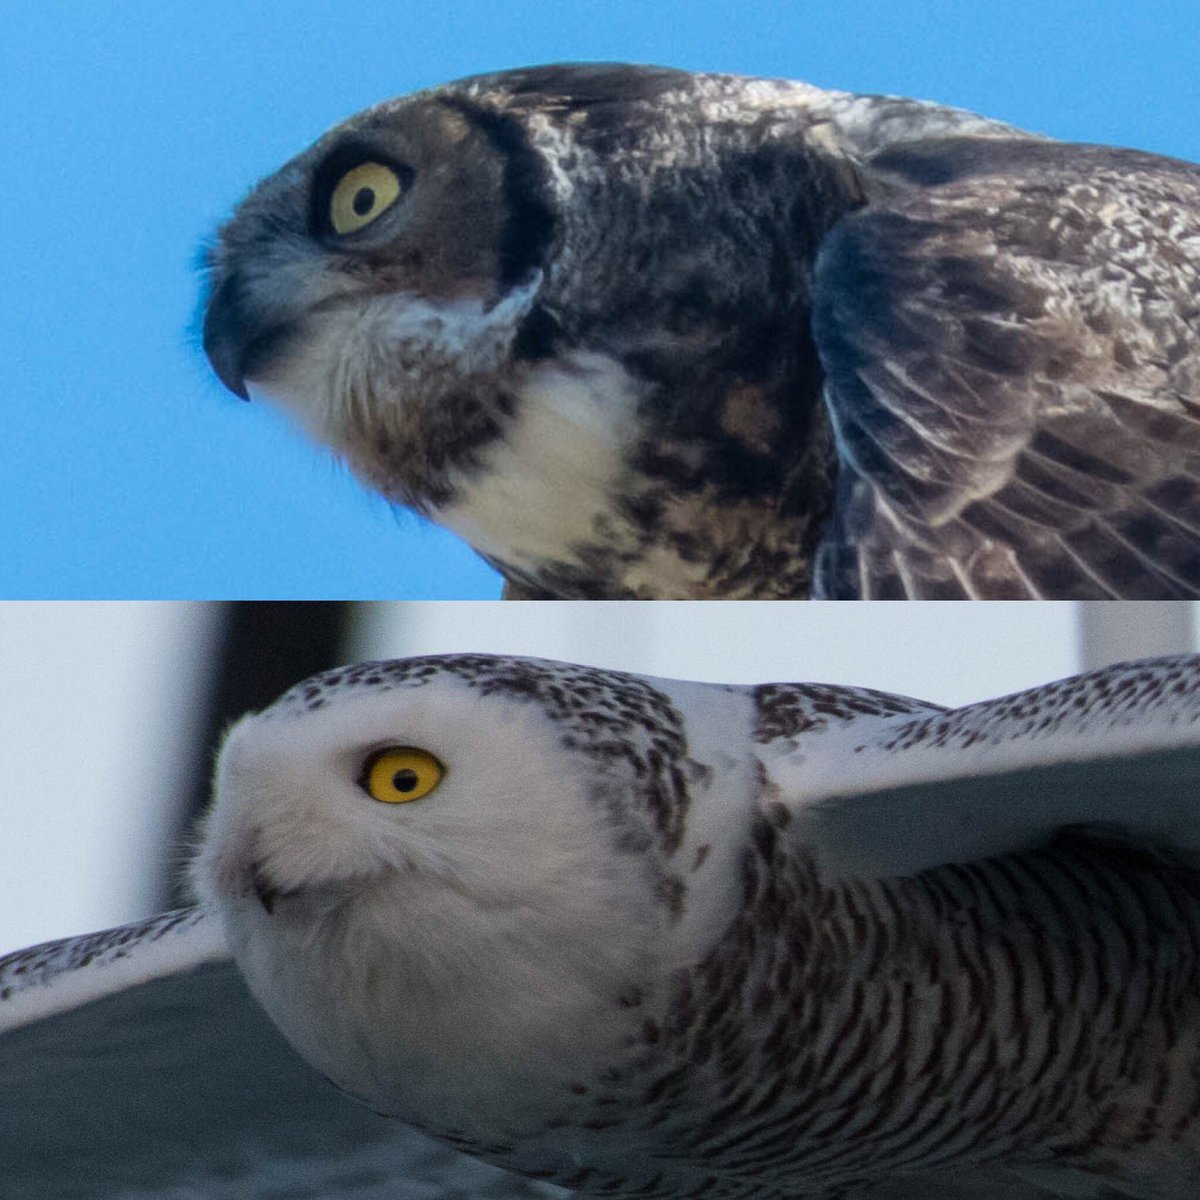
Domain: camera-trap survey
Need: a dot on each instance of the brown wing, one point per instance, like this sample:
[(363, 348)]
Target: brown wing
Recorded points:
[(1011, 341)]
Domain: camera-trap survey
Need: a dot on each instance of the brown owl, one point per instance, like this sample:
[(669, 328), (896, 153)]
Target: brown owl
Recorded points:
[(639, 333)]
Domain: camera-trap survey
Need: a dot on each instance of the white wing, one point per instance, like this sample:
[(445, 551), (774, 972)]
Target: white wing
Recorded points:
[(891, 795), (135, 1065)]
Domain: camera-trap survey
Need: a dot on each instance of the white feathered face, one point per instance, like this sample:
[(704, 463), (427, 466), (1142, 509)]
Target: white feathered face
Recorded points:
[(434, 782), (457, 859)]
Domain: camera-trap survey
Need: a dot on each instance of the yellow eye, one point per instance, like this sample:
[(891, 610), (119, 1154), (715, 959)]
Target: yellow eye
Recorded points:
[(362, 194), (401, 774)]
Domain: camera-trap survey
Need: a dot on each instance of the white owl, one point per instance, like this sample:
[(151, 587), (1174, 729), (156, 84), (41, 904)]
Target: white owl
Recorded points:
[(641, 937)]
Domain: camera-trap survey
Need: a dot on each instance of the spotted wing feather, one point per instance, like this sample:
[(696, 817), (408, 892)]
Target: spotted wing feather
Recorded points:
[(893, 794), (1011, 343)]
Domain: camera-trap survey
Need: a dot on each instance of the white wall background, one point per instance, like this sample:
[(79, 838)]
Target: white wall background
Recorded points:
[(97, 701), (97, 705), (952, 653)]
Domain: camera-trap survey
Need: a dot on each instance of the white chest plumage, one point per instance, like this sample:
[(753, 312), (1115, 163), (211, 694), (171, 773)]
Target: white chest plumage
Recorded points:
[(549, 484), (617, 940)]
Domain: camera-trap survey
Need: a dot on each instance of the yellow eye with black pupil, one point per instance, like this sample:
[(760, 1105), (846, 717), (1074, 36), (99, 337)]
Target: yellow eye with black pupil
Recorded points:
[(364, 193), (398, 775)]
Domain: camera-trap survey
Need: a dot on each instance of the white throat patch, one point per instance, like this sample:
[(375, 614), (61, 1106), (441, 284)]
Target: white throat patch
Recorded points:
[(549, 485), (363, 356)]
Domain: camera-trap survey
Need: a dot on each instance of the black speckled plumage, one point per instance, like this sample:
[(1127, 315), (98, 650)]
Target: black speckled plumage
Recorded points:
[(638, 333), (648, 938)]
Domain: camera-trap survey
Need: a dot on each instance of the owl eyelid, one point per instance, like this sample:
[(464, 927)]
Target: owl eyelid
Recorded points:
[(330, 173), (371, 757), (368, 758)]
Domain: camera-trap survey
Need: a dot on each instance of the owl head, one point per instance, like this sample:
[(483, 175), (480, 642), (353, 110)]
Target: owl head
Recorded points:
[(548, 308), (461, 861)]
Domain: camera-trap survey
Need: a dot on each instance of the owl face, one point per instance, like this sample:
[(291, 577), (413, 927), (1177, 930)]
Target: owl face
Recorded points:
[(486, 801), (467, 845), (373, 284)]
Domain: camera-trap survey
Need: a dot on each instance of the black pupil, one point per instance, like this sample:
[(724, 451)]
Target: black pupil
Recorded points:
[(364, 201), (404, 780)]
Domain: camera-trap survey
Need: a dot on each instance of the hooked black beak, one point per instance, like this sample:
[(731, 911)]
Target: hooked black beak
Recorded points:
[(236, 343), (266, 892)]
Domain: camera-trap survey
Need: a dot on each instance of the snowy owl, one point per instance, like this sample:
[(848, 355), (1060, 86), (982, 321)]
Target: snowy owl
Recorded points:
[(638, 333), (640, 937)]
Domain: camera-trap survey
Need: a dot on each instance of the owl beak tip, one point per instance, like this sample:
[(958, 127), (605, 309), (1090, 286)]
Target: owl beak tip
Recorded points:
[(233, 340), (222, 347), (266, 893)]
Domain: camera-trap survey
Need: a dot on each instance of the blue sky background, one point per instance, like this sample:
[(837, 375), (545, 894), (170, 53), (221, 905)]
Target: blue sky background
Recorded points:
[(128, 131)]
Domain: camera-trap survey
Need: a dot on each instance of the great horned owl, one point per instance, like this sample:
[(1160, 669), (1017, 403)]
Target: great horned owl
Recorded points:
[(635, 332)]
